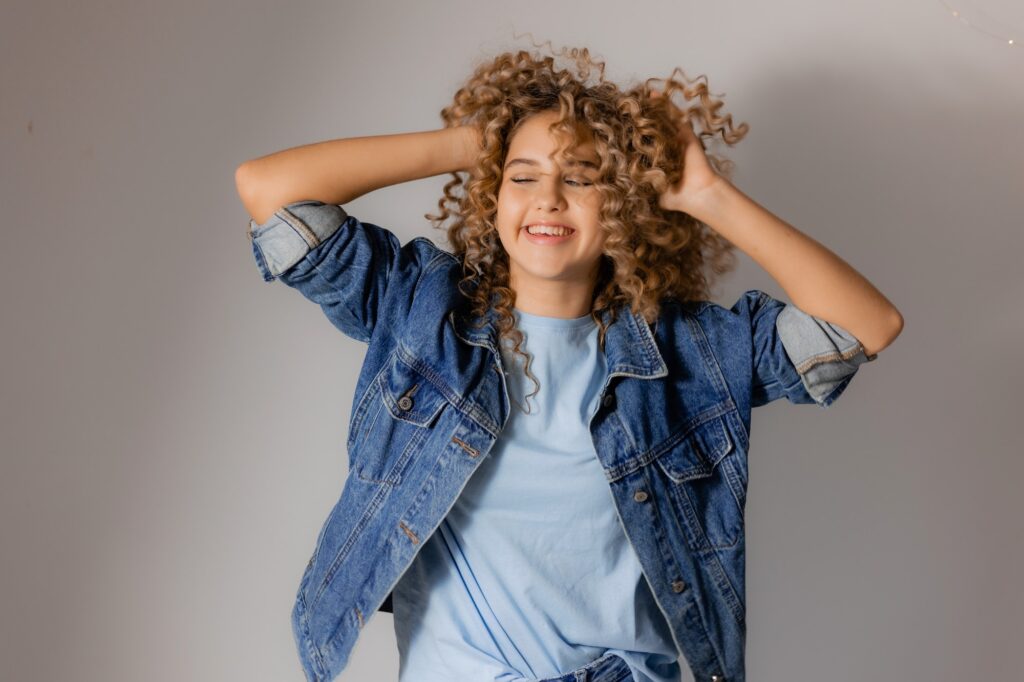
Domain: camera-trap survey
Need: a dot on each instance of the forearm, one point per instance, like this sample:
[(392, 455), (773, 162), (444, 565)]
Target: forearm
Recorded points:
[(816, 280), (338, 171)]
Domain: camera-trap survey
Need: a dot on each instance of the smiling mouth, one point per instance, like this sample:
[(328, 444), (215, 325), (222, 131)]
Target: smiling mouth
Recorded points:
[(543, 239), (569, 231)]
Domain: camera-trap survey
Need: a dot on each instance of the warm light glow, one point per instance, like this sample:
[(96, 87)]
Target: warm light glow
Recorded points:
[(956, 14)]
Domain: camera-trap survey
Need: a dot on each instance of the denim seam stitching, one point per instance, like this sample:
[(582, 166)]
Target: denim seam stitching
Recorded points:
[(303, 230), (375, 502), (318, 658), (827, 356)]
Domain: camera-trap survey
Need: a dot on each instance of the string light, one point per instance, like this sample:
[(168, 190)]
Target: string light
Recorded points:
[(958, 15)]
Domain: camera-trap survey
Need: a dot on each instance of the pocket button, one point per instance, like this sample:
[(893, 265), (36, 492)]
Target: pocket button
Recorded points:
[(639, 496), (405, 402)]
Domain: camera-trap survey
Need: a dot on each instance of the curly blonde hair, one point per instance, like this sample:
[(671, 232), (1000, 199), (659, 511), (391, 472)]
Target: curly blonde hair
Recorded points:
[(649, 253)]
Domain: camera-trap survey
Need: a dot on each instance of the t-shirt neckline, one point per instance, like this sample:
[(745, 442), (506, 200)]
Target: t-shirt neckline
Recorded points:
[(543, 321)]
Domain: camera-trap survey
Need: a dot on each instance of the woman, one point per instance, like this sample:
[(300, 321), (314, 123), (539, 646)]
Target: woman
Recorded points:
[(581, 203)]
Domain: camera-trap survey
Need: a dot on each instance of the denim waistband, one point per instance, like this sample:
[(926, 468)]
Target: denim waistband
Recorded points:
[(608, 668)]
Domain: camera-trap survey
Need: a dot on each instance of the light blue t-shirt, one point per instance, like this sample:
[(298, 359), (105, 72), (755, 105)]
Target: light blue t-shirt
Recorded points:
[(531, 575)]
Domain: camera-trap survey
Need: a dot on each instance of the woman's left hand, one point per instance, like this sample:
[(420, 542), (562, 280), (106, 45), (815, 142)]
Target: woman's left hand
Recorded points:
[(698, 175)]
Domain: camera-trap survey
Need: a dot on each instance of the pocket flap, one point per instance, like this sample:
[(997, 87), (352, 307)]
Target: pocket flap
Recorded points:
[(408, 395), (697, 452)]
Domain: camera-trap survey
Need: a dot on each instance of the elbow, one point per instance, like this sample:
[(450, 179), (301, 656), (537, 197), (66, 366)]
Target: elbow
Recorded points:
[(895, 328), (244, 181), (247, 186), (895, 325)]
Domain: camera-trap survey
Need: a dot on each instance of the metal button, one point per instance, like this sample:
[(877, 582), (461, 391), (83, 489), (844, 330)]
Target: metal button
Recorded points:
[(405, 402), (608, 399), (639, 496), (678, 585), (717, 678)]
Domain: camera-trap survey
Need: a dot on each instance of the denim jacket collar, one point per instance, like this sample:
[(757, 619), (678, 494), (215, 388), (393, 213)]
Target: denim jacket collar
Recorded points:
[(630, 348)]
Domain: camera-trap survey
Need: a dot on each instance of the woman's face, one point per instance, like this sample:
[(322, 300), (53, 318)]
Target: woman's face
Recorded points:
[(537, 187)]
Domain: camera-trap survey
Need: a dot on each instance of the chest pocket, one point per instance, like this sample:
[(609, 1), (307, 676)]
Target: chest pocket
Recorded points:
[(392, 421), (705, 486)]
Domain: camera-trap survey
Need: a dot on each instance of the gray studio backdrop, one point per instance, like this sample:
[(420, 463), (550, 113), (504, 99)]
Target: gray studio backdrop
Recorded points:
[(173, 427)]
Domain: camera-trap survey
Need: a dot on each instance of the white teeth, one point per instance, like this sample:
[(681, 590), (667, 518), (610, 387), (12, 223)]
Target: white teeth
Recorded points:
[(548, 229)]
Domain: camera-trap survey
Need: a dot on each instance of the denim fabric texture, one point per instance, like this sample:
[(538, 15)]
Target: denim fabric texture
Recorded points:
[(608, 668), (672, 431)]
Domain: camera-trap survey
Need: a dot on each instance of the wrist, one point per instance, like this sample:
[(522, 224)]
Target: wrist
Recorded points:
[(467, 148), (705, 203)]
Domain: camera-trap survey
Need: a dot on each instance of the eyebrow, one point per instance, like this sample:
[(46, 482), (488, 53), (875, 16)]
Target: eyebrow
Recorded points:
[(531, 162)]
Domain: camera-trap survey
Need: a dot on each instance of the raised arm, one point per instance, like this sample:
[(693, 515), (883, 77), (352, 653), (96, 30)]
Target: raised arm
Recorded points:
[(301, 235), (818, 281), (338, 171)]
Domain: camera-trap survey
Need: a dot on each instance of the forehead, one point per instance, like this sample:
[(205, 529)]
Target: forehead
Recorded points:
[(533, 142)]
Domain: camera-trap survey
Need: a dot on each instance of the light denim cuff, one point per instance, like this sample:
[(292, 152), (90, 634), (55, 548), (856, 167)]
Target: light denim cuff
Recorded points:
[(825, 355), (288, 235)]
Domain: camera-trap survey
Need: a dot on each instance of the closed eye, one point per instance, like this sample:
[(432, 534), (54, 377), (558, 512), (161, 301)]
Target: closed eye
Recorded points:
[(574, 183)]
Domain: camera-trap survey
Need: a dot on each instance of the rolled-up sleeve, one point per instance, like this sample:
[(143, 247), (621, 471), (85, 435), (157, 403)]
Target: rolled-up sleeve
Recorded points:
[(340, 263), (798, 356)]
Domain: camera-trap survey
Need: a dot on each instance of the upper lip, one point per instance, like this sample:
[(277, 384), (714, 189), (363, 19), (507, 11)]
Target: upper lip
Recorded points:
[(549, 224)]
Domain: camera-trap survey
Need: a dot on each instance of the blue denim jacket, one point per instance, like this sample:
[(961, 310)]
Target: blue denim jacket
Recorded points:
[(672, 430)]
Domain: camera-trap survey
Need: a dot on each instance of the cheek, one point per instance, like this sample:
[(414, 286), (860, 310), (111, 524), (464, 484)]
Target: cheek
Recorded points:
[(508, 215), (600, 237), (506, 227), (504, 203)]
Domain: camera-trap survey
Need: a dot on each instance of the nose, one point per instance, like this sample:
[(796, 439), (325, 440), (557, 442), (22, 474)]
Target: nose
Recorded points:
[(550, 196)]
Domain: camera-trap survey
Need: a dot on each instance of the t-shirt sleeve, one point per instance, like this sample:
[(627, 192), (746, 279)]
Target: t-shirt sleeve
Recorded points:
[(333, 259), (796, 355)]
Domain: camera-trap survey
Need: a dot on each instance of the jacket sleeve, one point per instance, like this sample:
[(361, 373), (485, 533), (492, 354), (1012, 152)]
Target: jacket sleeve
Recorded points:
[(338, 262), (795, 355)]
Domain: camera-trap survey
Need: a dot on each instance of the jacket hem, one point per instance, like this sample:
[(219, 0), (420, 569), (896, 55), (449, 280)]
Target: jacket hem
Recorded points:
[(309, 654)]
